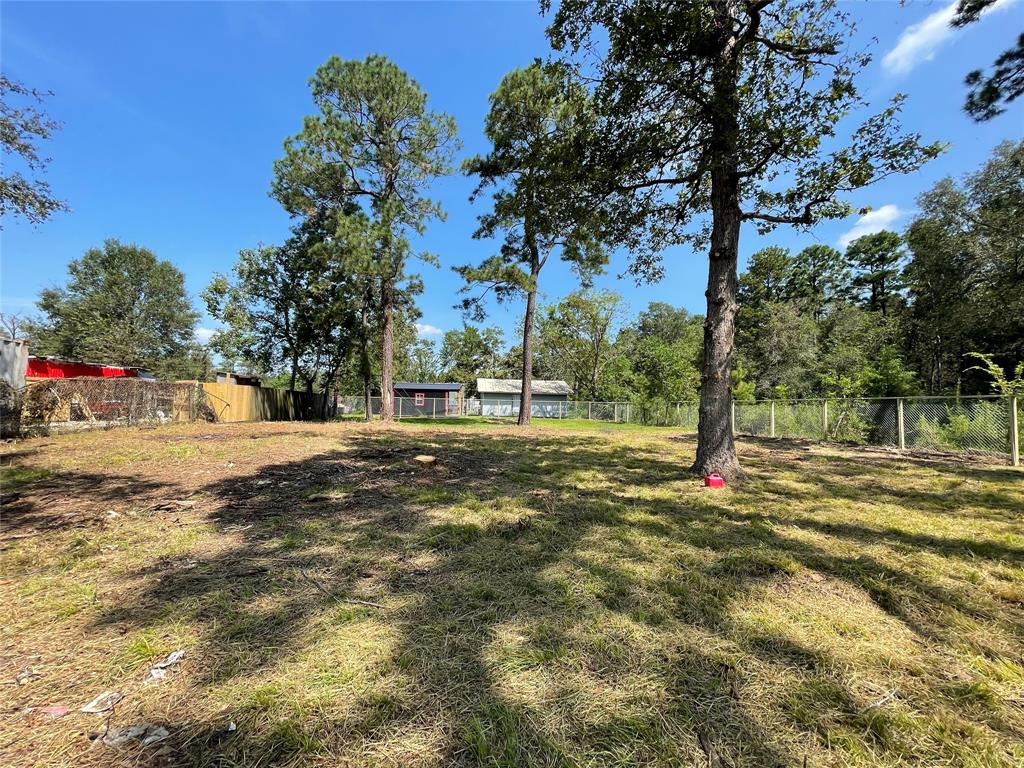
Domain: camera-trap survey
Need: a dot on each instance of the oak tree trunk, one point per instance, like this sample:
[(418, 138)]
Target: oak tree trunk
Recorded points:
[(716, 450), (387, 383)]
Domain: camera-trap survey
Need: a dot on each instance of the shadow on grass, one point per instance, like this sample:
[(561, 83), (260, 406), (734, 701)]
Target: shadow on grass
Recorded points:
[(489, 652), (35, 503)]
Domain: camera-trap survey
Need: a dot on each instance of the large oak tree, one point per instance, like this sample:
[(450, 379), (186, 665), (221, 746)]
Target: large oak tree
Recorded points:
[(731, 108)]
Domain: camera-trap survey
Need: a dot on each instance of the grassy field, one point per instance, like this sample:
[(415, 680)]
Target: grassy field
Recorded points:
[(546, 597)]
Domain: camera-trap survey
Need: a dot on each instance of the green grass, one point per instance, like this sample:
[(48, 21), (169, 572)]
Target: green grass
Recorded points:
[(563, 596)]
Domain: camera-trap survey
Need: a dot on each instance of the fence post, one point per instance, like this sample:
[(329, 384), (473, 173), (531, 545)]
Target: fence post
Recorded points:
[(771, 418), (590, 410), (732, 419), (824, 419), (899, 424), (433, 407), (1014, 433), (627, 412)]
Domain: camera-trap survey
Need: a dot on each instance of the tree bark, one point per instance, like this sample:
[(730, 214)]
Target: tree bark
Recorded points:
[(365, 369), (387, 383), (526, 392), (716, 449)]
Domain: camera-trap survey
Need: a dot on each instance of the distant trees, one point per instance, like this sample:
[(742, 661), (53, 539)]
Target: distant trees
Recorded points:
[(536, 118), (293, 306), (372, 144), (471, 352), (578, 331), (22, 126), (121, 305), (965, 277)]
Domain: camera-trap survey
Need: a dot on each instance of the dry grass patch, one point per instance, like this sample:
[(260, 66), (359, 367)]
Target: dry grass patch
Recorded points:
[(532, 597)]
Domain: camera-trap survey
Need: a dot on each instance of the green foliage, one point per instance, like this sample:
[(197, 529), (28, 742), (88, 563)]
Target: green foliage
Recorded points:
[(876, 261), (765, 97), (576, 336), (535, 119), (1001, 383), (966, 275), (470, 353), (294, 305), (122, 306), (374, 146), (22, 126)]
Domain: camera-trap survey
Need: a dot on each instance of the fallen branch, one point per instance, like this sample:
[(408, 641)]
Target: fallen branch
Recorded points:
[(330, 594)]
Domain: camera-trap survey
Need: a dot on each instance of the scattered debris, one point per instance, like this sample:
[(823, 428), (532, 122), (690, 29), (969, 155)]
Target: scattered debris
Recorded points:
[(330, 594), (885, 699), (27, 675), (147, 733), (159, 670), (104, 702), (424, 458), (55, 711)]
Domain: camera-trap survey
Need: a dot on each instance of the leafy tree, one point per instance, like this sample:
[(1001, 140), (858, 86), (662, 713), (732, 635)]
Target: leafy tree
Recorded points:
[(535, 116), (886, 375), (767, 279), (965, 277), (294, 305), (470, 353), (989, 93), (729, 108), (818, 279), (782, 351), (21, 128), (661, 351), (421, 362), (578, 331), (374, 143), (877, 262), (849, 339), (122, 306)]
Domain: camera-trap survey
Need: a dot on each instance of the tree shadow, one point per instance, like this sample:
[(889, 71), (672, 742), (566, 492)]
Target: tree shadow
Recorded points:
[(56, 501), (488, 615)]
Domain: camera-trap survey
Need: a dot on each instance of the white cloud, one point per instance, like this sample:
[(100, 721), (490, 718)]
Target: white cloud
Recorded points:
[(203, 334), (426, 329), (919, 42), (871, 222)]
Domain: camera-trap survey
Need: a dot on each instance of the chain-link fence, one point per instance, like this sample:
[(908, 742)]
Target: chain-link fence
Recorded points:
[(61, 405), (969, 424)]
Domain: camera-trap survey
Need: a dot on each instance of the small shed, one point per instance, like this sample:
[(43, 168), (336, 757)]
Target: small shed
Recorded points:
[(500, 397), (418, 398)]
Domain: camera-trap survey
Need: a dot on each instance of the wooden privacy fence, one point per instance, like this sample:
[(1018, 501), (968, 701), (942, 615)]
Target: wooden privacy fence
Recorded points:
[(242, 402)]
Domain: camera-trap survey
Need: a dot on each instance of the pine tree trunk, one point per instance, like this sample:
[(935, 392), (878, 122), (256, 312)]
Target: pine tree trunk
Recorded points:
[(716, 450), (365, 369), (526, 392), (387, 302)]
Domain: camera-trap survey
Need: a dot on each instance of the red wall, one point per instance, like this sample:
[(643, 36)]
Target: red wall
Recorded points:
[(39, 368)]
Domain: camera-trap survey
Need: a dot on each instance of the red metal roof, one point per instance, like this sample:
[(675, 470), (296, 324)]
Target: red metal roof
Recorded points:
[(50, 368)]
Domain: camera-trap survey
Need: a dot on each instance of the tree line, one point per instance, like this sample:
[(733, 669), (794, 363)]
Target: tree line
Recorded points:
[(651, 125)]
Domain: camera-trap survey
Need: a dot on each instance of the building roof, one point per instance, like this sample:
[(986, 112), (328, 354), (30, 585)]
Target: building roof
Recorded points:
[(441, 386), (515, 386)]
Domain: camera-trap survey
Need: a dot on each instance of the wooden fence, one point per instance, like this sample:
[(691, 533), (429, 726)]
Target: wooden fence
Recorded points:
[(240, 402)]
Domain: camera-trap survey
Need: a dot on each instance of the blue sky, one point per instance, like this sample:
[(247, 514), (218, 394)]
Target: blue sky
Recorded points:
[(173, 114)]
